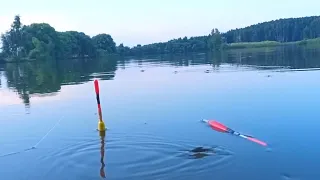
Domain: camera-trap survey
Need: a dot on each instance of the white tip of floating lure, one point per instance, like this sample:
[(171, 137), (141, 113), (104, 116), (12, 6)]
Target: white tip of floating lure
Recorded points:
[(204, 120)]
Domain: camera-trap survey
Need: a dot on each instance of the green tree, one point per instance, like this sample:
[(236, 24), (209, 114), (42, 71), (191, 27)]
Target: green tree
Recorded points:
[(73, 44), (282, 30), (12, 39), (121, 49), (40, 33), (315, 28), (215, 40), (104, 42), (6, 50), (40, 40)]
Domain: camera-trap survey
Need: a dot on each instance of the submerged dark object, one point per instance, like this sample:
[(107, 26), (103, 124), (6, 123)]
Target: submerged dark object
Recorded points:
[(199, 155), (200, 152), (200, 149)]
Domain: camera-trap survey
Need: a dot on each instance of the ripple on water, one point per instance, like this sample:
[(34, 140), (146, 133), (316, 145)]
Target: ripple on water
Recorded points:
[(139, 156)]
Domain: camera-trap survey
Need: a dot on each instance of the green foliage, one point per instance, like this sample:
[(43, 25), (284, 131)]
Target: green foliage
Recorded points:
[(68, 46), (123, 50), (215, 40), (104, 42), (40, 40), (76, 44), (175, 46), (5, 45), (267, 34), (313, 30), (41, 49), (47, 77), (282, 30), (12, 39), (42, 32)]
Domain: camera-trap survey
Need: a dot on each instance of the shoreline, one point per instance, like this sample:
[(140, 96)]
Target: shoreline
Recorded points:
[(225, 47)]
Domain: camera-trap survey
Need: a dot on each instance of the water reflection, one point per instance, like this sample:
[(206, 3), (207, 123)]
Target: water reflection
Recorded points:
[(293, 57), (102, 138), (46, 78), (151, 139), (0, 79)]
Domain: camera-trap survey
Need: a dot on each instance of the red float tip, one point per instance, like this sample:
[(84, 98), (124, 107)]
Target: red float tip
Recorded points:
[(96, 86)]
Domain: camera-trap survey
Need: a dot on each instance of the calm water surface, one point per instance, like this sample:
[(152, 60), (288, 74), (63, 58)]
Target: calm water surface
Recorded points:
[(153, 107)]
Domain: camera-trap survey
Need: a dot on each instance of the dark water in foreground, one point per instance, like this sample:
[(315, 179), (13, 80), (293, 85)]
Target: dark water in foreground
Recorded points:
[(153, 107)]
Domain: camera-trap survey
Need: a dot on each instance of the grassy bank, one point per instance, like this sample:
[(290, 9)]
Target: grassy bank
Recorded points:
[(243, 45), (308, 42)]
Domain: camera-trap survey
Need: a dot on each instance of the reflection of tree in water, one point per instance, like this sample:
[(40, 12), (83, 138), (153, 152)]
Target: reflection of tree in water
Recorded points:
[(80, 71), (177, 60), (294, 56), (1, 74), (297, 57), (102, 151), (215, 58), (46, 78), (2, 67), (0, 79)]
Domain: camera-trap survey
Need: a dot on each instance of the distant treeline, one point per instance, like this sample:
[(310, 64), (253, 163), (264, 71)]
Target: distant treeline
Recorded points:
[(270, 33), (40, 40), (211, 42), (282, 30)]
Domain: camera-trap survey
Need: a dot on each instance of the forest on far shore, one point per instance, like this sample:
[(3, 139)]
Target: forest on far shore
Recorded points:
[(41, 41)]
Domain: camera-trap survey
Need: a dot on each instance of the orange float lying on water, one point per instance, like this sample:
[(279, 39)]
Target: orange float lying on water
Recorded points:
[(222, 128)]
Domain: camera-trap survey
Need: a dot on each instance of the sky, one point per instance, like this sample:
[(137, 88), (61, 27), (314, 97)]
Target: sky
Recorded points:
[(133, 22)]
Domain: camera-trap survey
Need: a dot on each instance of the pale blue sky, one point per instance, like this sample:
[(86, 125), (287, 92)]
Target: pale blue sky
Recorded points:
[(146, 21)]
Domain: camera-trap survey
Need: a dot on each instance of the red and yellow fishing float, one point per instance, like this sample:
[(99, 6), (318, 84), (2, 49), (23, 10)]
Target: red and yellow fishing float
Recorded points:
[(101, 125)]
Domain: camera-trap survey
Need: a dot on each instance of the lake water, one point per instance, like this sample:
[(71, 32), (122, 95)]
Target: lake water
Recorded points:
[(152, 107)]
